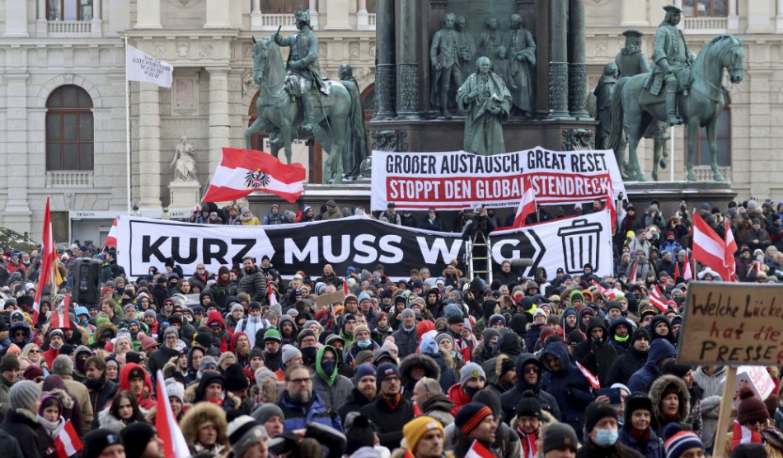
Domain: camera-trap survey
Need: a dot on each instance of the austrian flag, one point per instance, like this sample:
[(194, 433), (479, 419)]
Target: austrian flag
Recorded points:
[(242, 172)]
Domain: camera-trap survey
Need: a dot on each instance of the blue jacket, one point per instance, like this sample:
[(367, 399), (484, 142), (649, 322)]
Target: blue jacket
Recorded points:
[(298, 416), (644, 377), (652, 449), (568, 386)]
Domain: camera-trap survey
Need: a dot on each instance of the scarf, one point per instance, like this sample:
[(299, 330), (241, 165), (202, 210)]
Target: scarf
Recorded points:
[(621, 339), (392, 401), (643, 437), (529, 449), (51, 428), (742, 435)]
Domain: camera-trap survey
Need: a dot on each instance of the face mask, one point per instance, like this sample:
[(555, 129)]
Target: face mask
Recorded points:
[(364, 343), (471, 390), (605, 437), (201, 271), (490, 346), (308, 354), (328, 366)]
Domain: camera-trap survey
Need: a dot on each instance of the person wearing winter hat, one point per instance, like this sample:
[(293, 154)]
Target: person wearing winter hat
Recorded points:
[(497, 321), (248, 437), (21, 421), (364, 390), (472, 378), (637, 432), (390, 411), (176, 391), (424, 438), (753, 416), (601, 434), (141, 441), (406, 338), (559, 441), (682, 443), (527, 422), (102, 443), (271, 416), (9, 374), (291, 356), (474, 422)]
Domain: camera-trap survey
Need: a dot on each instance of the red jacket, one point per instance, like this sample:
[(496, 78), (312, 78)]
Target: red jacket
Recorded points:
[(49, 356), (146, 398), (458, 397)]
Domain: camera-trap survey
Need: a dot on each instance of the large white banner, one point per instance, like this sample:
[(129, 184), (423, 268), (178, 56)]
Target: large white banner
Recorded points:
[(145, 68), (568, 243), (458, 180)]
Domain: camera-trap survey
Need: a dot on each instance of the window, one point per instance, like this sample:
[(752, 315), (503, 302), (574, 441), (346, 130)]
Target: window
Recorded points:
[(69, 10), (705, 8), (723, 140), (69, 130), (283, 6)]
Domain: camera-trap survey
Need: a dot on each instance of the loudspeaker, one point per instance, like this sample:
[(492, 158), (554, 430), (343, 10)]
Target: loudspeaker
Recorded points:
[(86, 281)]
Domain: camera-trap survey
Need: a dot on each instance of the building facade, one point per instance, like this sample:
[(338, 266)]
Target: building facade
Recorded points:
[(62, 91)]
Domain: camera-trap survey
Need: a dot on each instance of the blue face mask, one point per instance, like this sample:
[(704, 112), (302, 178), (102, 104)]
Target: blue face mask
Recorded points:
[(605, 437), (363, 343)]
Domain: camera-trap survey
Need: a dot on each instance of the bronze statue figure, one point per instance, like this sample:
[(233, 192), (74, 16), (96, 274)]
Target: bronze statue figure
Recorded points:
[(467, 45), (522, 52), (603, 104), (487, 103), (491, 39), (358, 148), (445, 60)]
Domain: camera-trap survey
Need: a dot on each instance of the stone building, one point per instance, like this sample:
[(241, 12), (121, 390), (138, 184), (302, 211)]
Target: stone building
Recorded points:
[(62, 94)]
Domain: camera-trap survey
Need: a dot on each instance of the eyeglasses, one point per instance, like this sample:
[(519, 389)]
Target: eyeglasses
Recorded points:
[(299, 381), (35, 351), (530, 370)]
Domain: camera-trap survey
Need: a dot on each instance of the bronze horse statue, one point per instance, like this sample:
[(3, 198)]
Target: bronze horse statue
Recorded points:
[(699, 108), (279, 113)]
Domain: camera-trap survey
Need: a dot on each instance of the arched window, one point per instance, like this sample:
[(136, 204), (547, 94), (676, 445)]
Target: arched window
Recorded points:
[(69, 129)]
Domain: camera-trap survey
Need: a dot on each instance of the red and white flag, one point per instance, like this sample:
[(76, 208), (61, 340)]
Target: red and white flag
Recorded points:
[(271, 294), (687, 273), (242, 172), (527, 207), (743, 435), (676, 271), (478, 450), (591, 379), (632, 278), (60, 319), (67, 442), (174, 445), (111, 239), (47, 275), (608, 293), (611, 207), (731, 248), (708, 248), (656, 299)]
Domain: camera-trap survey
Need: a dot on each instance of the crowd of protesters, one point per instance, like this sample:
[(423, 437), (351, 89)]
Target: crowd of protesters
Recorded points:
[(428, 366)]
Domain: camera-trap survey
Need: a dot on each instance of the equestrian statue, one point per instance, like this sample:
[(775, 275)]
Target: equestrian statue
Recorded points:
[(679, 90), (295, 101)]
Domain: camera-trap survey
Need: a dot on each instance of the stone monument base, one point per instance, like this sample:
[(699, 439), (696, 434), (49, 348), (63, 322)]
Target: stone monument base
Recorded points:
[(346, 195), (670, 194), (184, 194)]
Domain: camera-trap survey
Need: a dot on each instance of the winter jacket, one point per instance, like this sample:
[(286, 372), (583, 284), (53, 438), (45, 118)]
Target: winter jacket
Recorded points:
[(297, 416), (254, 284), (333, 388), (432, 224), (82, 396), (5, 387), (644, 377), (10, 446), (448, 376), (625, 366), (431, 370), (34, 441), (532, 335), (597, 357), (618, 450), (353, 403), (407, 341), (666, 383), (438, 407), (388, 420), (567, 385), (652, 449), (506, 445), (620, 346), (101, 395), (159, 359), (250, 326), (712, 385), (511, 398)]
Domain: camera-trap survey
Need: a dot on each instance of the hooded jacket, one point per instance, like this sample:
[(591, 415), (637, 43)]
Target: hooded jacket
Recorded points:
[(199, 414), (333, 388), (657, 390), (511, 398), (629, 362), (438, 407), (620, 346), (567, 385), (658, 319), (34, 441), (596, 356), (223, 340), (353, 403), (644, 377), (254, 284), (431, 370), (291, 340), (145, 399), (567, 329)]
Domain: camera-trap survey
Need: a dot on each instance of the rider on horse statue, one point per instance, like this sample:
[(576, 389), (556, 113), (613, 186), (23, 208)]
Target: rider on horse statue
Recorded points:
[(672, 62), (303, 63)]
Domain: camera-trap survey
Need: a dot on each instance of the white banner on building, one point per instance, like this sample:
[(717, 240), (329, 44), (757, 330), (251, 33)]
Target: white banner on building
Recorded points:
[(458, 180), (144, 68)]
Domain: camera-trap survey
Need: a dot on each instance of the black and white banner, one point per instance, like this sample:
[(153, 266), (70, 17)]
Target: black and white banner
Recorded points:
[(359, 242)]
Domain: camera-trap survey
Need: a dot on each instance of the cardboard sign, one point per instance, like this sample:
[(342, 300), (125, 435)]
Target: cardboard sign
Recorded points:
[(732, 324), (326, 300), (757, 378)]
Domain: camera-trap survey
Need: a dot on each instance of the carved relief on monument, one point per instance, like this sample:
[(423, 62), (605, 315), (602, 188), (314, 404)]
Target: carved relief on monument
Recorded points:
[(184, 92)]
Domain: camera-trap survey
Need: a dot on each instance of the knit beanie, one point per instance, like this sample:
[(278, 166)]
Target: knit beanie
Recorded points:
[(559, 435), (496, 318), (388, 344), (469, 371), (363, 370), (176, 389), (243, 432), (203, 339), (147, 342), (23, 395), (751, 407), (386, 370), (415, 429), (264, 412), (290, 352), (428, 346), (273, 335), (529, 406), (171, 330), (595, 412), (32, 373), (407, 313), (96, 441), (470, 415), (236, 380), (679, 441), (360, 328), (9, 362), (136, 436)]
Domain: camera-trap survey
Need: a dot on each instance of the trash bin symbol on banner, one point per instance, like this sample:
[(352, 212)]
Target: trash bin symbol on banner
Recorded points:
[(581, 245)]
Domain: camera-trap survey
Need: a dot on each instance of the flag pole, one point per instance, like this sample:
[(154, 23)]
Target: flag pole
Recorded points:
[(127, 129)]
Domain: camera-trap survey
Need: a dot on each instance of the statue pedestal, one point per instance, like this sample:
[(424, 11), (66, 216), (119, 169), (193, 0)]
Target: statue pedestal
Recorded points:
[(184, 194), (671, 193)]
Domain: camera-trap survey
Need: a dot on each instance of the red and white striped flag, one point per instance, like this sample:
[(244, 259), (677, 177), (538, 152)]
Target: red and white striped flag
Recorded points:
[(478, 450), (632, 278), (676, 271), (174, 445), (111, 239), (346, 291), (731, 248), (656, 299), (60, 319), (608, 293), (611, 207), (743, 435), (687, 273), (67, 442), (271, 294), (591, 379), (708, 248), (46, 275), (527, 207), (242, 172)]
